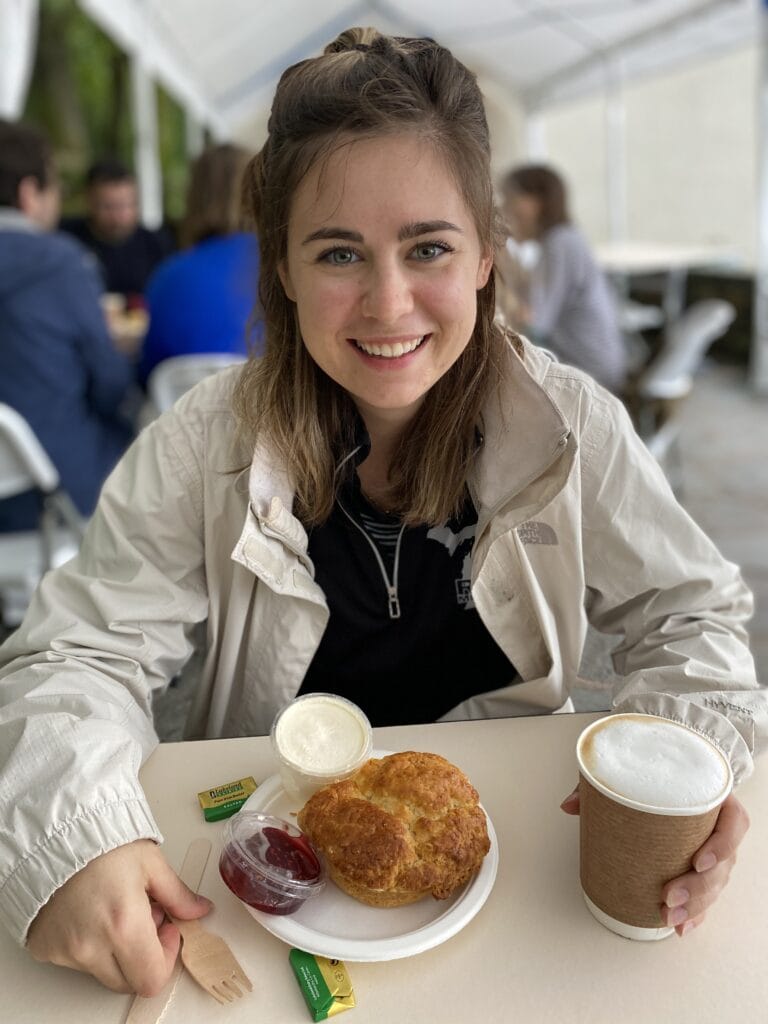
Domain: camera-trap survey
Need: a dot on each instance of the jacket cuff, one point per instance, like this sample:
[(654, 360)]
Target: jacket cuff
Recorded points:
[(61, 855), (692, 711)]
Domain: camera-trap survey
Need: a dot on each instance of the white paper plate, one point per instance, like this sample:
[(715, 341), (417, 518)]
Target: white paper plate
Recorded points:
[(335, 925)]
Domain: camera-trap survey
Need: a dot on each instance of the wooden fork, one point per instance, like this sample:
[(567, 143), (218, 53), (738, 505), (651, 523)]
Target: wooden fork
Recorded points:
[(211, 962)]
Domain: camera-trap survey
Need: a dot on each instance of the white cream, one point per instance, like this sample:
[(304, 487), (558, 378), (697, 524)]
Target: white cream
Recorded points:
[(322, 734), (655, 762)]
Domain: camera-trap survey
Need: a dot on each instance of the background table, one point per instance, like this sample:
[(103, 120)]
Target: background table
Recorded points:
[(533, 955), (623, 260)]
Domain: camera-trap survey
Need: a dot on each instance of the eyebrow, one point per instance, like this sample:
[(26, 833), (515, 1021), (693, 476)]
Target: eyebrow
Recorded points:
[(412, 230)]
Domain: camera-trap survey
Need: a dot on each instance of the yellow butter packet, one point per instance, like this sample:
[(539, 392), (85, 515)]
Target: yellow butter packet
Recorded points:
[(325, 984)]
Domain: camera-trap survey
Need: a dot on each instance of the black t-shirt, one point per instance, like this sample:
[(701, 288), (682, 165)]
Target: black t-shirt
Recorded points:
[(125, 266), (415, 666)]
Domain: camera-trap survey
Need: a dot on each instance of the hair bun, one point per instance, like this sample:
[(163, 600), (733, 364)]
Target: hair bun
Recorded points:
[(361, 39)]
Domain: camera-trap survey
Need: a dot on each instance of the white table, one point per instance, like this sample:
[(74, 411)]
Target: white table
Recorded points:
[(533, 954), (626, 259)]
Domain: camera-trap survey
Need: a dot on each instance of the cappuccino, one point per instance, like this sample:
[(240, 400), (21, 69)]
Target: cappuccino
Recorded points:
[(650, 792), (650, 761)]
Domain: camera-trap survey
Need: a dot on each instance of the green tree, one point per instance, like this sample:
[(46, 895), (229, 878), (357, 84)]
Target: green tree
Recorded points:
[(80, 94)]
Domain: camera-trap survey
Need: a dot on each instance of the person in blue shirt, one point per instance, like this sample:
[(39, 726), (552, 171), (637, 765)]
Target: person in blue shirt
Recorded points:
[(203, 298), (58, 365)]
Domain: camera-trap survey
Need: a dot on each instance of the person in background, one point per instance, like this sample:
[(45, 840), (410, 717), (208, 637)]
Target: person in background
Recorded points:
[(203, 299), (58, 366), (400, 500), (568, 306), (126, 252)]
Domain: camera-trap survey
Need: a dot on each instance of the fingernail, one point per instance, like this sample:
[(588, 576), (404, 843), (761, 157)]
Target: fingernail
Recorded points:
[(677, 897), (203, 899), (705, 862), (687, 927), (677, 916)]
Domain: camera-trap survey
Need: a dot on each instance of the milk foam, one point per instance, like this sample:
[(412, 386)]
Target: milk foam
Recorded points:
[(321, 734), (655, 762)]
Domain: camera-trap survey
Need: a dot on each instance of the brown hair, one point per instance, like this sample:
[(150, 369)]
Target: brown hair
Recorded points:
[(546, 185), (214, 195), (367, 85), (24, 153)]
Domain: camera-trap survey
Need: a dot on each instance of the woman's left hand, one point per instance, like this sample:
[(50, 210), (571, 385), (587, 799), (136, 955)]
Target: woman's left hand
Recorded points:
[(687, 898)]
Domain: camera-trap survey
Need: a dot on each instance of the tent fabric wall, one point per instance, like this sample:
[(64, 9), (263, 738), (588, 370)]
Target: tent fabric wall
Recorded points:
[(18, 38), (221, 62)]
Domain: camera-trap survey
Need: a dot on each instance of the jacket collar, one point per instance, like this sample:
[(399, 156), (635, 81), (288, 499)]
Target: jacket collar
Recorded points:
[(524, 431), (524, 434), (12, 219)]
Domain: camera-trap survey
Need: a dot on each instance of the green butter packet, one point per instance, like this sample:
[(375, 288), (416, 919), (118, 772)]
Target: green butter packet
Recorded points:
[(223, 801), (325, 984)]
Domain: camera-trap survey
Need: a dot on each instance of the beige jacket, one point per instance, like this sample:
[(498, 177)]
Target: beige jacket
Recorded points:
[(576, 522)]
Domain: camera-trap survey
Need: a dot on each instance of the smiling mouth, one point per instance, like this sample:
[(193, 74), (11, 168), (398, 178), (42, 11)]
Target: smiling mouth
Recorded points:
[(389, 351)]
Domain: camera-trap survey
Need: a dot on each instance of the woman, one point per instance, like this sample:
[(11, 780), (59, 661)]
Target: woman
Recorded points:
[(202, 299), (412, 473), (569, 307)]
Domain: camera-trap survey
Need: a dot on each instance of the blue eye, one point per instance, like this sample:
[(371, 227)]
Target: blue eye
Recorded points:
[(426, 251), (339, 256)]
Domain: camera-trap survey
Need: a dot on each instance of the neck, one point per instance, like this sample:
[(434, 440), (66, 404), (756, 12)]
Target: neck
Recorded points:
[(385, 428)]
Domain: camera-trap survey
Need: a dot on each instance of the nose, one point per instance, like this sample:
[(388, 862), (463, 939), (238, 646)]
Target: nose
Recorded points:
[(388, 293)]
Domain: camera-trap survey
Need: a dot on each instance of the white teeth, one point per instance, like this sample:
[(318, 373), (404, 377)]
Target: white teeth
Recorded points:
[(390, 351)]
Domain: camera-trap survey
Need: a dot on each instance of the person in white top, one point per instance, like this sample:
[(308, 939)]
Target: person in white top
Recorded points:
[(569, 307)]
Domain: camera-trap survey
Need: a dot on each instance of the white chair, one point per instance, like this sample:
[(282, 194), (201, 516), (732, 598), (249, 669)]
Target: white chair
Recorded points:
[(26, 555), (635, 318), (171, 378), (669, 379), (671, 373)]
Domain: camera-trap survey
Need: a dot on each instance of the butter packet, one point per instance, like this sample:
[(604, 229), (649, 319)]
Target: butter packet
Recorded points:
[(222, 801), (325, 984)]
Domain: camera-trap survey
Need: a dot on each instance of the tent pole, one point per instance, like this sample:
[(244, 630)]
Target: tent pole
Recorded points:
[(194, 134), (759, 357), (535, 136), (615, 150), (146, 147)]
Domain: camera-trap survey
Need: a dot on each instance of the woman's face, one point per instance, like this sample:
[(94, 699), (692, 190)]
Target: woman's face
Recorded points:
[(384, 264)]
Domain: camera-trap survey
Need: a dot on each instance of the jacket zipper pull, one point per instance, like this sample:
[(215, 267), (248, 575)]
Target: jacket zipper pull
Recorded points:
[(394, 603)]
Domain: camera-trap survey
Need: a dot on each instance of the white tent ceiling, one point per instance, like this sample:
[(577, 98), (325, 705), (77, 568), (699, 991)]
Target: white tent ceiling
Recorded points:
[(223, 59)]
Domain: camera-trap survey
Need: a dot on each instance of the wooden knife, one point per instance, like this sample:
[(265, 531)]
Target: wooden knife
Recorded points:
[(151, 1009)]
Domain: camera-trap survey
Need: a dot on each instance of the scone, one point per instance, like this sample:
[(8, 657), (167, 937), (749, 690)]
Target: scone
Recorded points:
[(400, 828)]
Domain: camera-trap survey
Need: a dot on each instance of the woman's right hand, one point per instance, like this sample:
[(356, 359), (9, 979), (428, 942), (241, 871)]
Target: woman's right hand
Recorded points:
[(108, 920)]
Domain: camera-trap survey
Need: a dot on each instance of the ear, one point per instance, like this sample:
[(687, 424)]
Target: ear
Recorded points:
[(285, 280), (27, 195), (484, 269)]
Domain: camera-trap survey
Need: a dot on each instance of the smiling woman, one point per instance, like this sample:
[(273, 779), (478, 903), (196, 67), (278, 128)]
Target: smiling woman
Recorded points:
[(400, 503), (375, 210), (389, 306)]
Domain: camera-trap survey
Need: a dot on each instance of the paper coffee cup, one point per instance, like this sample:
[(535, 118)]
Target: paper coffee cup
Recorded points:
[(650, 793)]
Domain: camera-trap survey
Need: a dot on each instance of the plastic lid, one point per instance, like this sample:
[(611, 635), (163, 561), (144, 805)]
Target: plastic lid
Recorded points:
[(277, 851)]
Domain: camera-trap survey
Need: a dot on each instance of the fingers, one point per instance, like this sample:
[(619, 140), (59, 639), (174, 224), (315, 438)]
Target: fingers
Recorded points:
[(730, 828), (687, 898), (144, 956), (102, 922), (165, 886), (571, 803), (109, 974)]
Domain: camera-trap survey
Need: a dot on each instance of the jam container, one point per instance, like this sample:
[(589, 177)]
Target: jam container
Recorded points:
[(319, 738), (269, 864)]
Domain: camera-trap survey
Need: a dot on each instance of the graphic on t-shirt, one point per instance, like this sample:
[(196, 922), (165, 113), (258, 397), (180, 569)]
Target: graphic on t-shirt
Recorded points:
[(454, 543)]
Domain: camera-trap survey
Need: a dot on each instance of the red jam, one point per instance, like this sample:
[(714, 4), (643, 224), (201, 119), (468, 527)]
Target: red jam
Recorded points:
[(287, 859)]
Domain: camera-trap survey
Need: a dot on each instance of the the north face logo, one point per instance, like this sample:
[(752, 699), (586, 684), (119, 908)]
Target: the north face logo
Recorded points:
[(534, 532)]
